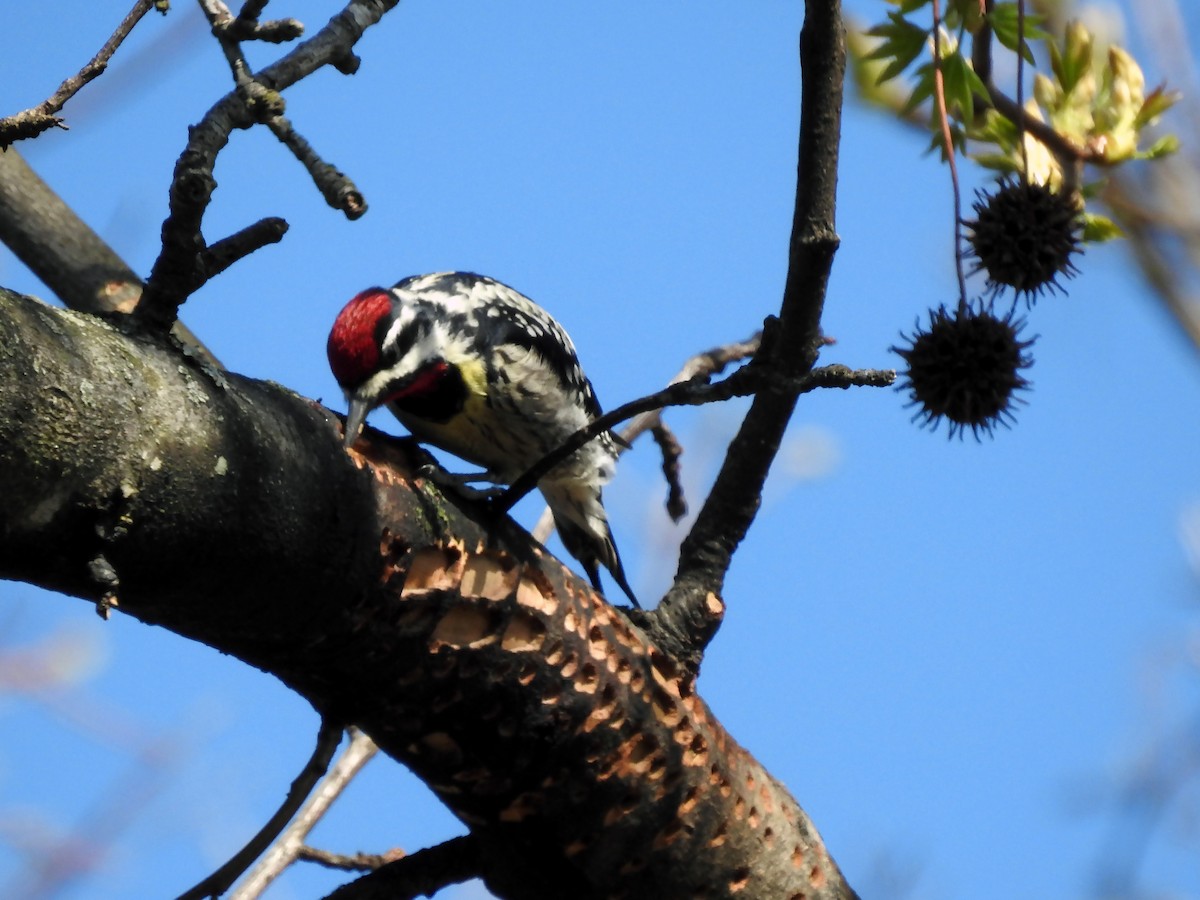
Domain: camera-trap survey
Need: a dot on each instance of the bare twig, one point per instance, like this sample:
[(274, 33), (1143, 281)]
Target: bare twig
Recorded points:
[(356, 862), (714, 361), (180, 268), (216, 884), (419, 874), (252, 9), (287, 846), (273, 31), (707, 364), (338, 190), (245, 26), (225, 252), (702, 365), (939, 95), (32, 122), (671, 451), (219, 18), (750, 379)]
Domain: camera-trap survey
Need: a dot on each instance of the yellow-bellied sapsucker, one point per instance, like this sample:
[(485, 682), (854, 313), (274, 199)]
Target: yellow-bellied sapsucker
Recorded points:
[(470, 365)]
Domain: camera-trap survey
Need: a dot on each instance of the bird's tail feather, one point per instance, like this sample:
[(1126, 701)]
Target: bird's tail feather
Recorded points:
[(593, 551)]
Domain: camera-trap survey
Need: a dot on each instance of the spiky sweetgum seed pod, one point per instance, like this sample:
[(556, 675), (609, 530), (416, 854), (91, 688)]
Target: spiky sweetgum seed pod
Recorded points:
[(1023, 236), (965, 367)]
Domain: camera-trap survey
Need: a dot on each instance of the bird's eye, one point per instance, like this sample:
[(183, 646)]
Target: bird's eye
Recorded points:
[(400, 341)]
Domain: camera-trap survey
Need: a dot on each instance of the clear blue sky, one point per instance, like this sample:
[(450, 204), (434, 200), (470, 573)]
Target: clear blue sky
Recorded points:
[(951, 652)]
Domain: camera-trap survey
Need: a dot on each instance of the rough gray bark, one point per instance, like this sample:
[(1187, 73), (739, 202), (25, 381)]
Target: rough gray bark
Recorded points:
[(224, 509)]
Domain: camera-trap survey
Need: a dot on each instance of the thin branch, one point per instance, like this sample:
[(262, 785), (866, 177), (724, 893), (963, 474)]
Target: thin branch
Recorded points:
[(671, 450), (267, 105), (179, 270), (702, 365), (706, 364), (690, 613), (219, 17), (252, 9), (287, 847), (225, 252), (420, 874), (273, 31), (750, 379), (1070, 155), (356, 862), (715, 361), (216, 884), (32, 122), (939, 94), (231, 30), (689, 393), (337, 189)]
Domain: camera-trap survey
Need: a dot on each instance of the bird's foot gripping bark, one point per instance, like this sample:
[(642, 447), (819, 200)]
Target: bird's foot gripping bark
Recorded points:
[(461, 484)]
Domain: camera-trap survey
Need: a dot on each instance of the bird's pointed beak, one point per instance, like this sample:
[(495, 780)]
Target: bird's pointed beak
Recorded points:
[(354, 421)]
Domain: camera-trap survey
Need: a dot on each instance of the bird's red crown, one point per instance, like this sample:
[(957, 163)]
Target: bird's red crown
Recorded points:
[(354, 340)]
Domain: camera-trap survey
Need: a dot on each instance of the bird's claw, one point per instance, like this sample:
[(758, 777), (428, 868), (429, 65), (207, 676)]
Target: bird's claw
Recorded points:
[(460, 484)]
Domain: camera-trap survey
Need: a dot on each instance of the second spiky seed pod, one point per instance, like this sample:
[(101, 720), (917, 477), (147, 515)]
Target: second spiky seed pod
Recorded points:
[(965, 366), (1024, 236)]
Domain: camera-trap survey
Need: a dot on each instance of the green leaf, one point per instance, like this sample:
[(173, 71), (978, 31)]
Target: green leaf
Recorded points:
[(1075, 59), (997, 129), (1157, 102), (957, 137), (1098, 229), (1056, 63), (1164, 146), (907, 6), (923, 84), (962, 85), (1000, 162), (902, 43), (1005, 20)]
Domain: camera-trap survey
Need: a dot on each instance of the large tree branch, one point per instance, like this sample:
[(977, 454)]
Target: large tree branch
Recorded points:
[(82, 270), (577, 752)]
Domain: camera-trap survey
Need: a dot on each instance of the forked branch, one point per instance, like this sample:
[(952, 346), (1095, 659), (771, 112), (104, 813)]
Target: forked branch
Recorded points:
[(182, 265)]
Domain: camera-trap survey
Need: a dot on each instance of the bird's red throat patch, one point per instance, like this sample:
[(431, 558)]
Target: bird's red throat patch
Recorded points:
[(353, 345), (427, 380)]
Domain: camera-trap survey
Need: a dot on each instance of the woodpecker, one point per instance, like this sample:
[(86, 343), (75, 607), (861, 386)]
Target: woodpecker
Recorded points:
[(473, 367)]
